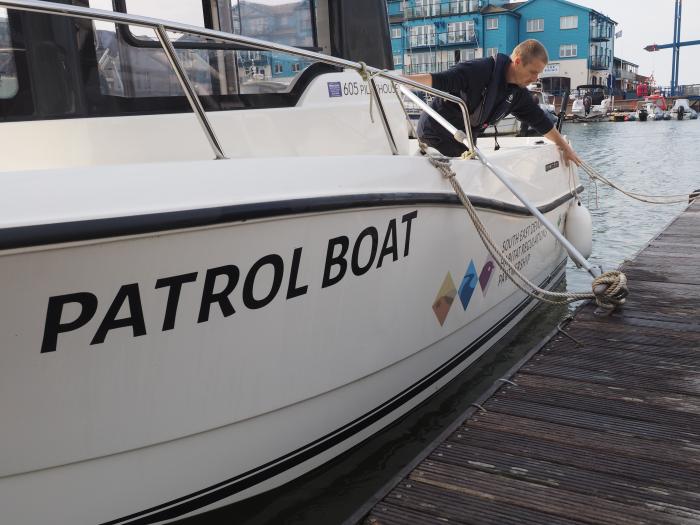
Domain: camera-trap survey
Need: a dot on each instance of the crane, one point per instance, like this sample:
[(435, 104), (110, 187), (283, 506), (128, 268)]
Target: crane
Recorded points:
[(676, 45)]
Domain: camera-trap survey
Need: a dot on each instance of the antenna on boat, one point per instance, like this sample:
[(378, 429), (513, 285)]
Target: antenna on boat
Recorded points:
[(562, 110)]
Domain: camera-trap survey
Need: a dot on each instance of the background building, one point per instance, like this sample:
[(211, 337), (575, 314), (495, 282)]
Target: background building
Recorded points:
[(432, 35)]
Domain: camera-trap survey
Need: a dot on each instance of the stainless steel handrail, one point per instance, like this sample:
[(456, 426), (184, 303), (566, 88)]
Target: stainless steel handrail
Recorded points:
[(190, 92), (161, 26)]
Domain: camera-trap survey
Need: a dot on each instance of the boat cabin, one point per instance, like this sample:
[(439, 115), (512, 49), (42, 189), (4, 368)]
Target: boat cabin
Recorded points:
[(597, 92), (95, 84)]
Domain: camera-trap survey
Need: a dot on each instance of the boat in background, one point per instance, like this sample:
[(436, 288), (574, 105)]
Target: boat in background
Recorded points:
[(681, 110), (657, 106), (642, 111), (591, 102), (512, 126), (222, 266)]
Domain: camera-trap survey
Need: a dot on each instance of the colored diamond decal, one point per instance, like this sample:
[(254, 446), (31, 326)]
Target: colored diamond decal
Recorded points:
[(486, 273), (466, 289), (444, 299)]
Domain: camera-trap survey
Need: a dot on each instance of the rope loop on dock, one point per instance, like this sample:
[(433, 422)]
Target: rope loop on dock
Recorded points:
[(609, 289)]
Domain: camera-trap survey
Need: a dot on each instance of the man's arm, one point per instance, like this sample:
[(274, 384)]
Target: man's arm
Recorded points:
[(567, 151)]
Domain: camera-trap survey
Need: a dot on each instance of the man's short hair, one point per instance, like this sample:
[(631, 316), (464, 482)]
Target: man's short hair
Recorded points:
[(530, 50)]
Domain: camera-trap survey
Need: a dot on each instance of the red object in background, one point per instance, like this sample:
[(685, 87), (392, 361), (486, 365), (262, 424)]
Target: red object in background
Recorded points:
[(643, 90)]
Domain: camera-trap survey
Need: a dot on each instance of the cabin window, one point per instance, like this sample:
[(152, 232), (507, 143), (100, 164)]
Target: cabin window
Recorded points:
[(8, 70), (76, 68), (287, 22), (184, 11), (135, 66), (127, 69)]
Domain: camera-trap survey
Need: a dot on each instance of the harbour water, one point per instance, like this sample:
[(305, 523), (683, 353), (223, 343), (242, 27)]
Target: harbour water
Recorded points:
[(646, 157)]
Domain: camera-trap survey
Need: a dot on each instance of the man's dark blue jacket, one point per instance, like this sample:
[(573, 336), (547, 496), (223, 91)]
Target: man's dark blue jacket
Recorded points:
[(482, 85)]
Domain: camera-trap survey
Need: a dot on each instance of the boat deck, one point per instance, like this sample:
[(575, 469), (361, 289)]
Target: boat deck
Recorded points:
[(604, 429)]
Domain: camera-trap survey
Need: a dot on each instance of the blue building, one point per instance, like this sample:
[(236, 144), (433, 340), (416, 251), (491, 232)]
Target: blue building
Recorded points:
[(432, 35)]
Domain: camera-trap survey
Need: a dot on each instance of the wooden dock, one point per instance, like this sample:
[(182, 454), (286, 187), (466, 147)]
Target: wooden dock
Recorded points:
[(605, 430)]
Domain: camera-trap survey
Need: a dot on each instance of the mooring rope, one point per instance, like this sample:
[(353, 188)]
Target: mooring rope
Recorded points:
[(367, 77), (609, 289), (651, 199)]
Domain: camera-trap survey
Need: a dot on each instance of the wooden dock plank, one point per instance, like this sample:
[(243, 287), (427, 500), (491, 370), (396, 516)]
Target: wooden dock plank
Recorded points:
[(603, 429)]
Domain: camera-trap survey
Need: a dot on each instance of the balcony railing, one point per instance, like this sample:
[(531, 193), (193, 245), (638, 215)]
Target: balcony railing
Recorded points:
[(446, 38), (432, 67), (599, 62), (395, 11), (441, 9), (601, 32)]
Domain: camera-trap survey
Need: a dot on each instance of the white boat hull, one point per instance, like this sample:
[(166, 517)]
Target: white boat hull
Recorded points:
[(292, 335)]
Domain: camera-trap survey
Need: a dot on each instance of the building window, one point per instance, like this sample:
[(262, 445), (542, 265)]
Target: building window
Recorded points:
[(491, 51), (296, 66), (398, 60), (427, 8), (420, 63), (568, 22), (492, 22), (460, 31), (422, 36), (535, 24), (568, 50), (278, 68), (395, 32)]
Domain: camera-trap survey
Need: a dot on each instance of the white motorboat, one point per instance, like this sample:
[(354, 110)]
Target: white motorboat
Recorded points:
[(681, 110), (656, 107), (199, 308), (512, 126), (591, 102)]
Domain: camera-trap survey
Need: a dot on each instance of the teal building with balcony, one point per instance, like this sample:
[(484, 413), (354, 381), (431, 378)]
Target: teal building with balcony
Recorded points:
[(433, 35)]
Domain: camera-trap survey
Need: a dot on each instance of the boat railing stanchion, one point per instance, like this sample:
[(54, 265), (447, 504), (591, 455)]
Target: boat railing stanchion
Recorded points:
[(189, 90)]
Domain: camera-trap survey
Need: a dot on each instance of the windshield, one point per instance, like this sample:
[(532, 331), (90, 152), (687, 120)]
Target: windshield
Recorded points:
[(8, 71)]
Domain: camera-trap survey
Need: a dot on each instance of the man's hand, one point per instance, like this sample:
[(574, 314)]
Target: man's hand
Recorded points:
[(569, 155), (567, 152)]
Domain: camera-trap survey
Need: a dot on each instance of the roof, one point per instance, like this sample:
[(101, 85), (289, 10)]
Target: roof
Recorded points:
[(493, 9), (623, 61), (518, 5)]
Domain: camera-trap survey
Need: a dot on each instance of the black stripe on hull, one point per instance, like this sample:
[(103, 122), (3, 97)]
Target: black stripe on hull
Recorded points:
[(75, 231), (225, 489)]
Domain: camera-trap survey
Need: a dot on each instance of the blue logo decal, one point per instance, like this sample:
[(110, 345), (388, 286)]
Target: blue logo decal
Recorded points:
[(469, 281), (334, 89)]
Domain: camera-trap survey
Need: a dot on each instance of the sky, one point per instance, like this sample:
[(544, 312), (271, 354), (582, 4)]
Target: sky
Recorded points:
[(645, 22)]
